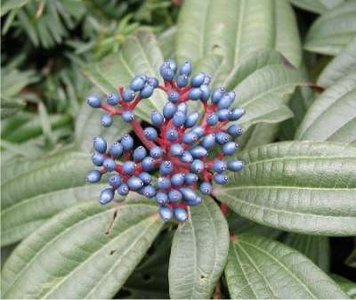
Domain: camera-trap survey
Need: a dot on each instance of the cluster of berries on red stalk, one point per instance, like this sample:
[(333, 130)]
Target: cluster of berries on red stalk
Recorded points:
[(185, 149)]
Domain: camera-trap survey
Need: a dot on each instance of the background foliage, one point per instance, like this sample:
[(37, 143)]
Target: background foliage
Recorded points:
[(292, 210)]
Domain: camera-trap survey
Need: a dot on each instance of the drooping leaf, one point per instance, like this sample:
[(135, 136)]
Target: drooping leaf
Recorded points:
[(74, 247), (260, 268), (236, 28), (306, 187), (198, 253), (332, 116), (140, 54), (340, 66), (317, 6), (315, 248), (8, 5), (333, 31)]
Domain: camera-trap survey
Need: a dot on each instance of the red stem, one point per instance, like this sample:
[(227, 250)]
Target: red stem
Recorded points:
[(136, 126)]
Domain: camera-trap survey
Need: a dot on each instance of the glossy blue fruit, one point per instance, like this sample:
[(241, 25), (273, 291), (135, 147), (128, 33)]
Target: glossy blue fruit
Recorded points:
[(179, 119), (138, 83), (205, 188), (190, 138), (106, 196), (163, 183), (150, 133), (161, 198), (127, 142), (115, 181), (224, 114), (230, 148), (182, 81), (175, 196), (171, 135), (109, 164), (180, 214), (147, 91), (98, 159), (145, 177), (116, 150), (166, 168), (166, 73), (171, 64), (225, 102), (219, 166), (147, 163), (208, 141), (217, 94), (236, 114), (139, 153), (106, 120), (212, 119), (165, 213), (128, 167), (191, 120), (222, 138), (134, 183), (235, 165), (197, 166), (156, 152), (195, 94), (113, 99), (205, 93), (176, 149), (94, 101), (185, 69), (152, 81), (123, 189), (221, 178), (173, 96), (177, 179), (195, 201), (197, 80), (191, 178), (186, 157), (99, 144), (128, 95), (235, 130), (128, 116), (157, 118), (169, 110), (183, 108), (93, 176), (198, 152), (148, 191)]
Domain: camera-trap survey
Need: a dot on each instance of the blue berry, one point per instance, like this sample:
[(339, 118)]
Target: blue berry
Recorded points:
[(128, 116), (205, 93), (123, 189), (115, 181), (206, 188), (191, 120), (186, 157), (179, 119), (190, 138), (147, 91), (128, 167), (165, 213), (166, 73), (147, 163), (150, 133), (148, 191), (106, 196), (171, 64), (219, 166), (109, 164), (207, 79), (208, 141), (172, 135), (182, 81), (113, 99), (177, 179), (163, 183), (195, 201), (128, 95), (236, 114), (185, 69), (94, 101), (173, 96), (106, 120), (230, 148), (180, 214), (152, 81), (166, 167), (98, 159), (139, 153), (212, 119), (100, 144), (197, 166), (116, 150), (138, 83), (222, 138), (156, 152), (134, 183), (176, 149), (161, 198), (198, 152), (169, 110), (145, 177), (235, 130), (191, 178), (157, 118), (217, 95), (235, 165), (195, 94), (127, 142), (183, 108), (197, 80), (221, 178), (199, 131), (174, 196), (225, 102), (188, 194), (223, 114), (93, 176)]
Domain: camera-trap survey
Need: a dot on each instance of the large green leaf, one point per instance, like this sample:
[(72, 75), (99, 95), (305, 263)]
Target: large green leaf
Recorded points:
[(332, 116), (34, 191), (72, 257), (315, 248), (340, 66), (317, 6), (348, 286), (333, 31), (199, 252), (166, 42), (273, 80), (306, 187), (235, 28), (140, 54), (260, 268)]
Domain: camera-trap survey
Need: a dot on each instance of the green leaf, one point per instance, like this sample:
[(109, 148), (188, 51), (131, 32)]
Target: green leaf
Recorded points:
[(260, 268), (317, 6), (348, 286), (333, 31), (316, 248), (8, 5), (32, 192), (140, 54), (306, 187), (332, 116), (72, 247), (198, 253), (166, 42), (340, 66), (234, 29), (10, 107), (273, 80)]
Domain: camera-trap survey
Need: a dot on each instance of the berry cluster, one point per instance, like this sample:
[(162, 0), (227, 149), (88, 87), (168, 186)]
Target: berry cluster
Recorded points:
[(186, 149)]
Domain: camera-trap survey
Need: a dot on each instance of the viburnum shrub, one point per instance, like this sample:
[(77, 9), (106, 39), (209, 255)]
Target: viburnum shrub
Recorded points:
[(183, 155)]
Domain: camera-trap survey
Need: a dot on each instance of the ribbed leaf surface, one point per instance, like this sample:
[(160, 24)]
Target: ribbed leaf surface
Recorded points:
[(317, 6)]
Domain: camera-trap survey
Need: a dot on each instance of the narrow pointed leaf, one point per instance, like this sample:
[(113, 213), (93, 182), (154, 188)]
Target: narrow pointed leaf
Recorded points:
[(260, 268), (306, 187), (73, 248), (198, 253)]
